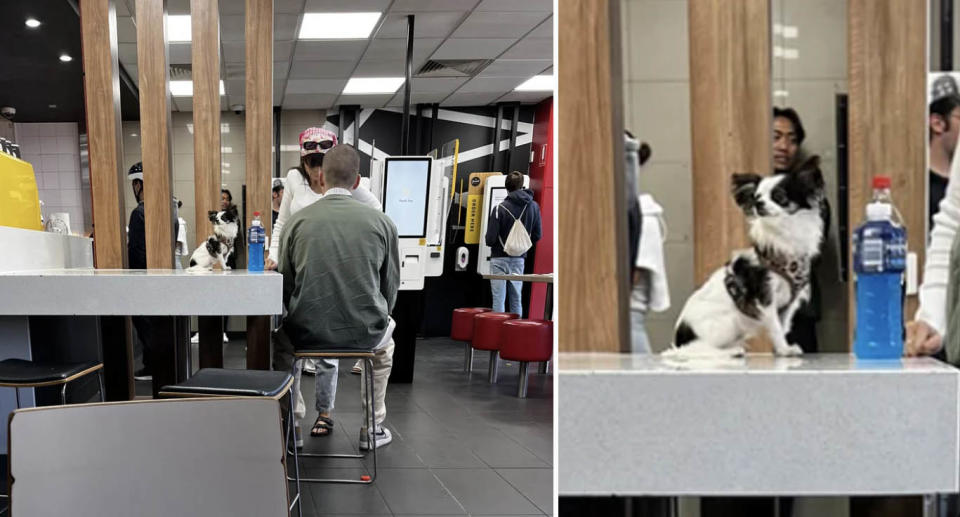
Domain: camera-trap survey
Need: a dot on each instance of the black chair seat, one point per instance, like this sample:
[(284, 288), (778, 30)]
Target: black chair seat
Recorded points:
[(239, 383), (21, 371)]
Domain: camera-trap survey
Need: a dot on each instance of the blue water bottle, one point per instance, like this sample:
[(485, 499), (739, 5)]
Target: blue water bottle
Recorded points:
[(879, 259), (256, 237)]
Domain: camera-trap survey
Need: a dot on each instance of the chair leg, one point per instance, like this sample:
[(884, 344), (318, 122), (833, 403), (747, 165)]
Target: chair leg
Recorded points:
[(494, 368), (292, 438), (468, 359), (544, 367), (372, 409), (63, 394), (17, 390), (325, 455), (522, 390), (103, 397)]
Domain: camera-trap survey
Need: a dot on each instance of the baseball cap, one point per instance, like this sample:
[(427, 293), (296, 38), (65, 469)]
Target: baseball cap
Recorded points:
[(316, 140), (135, 172)]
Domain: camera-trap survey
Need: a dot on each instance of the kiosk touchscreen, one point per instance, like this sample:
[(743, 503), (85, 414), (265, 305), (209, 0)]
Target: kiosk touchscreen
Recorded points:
[(415, 196)]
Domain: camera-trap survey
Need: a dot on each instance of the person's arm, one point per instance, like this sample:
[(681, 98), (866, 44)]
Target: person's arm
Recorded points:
[(537, 230), (390, 269), (136, 244), (286, 265), (366, 197), (492, 238), (925, 334), (282, 217)]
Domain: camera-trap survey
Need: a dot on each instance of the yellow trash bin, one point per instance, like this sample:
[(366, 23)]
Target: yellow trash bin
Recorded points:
[(19, 197)]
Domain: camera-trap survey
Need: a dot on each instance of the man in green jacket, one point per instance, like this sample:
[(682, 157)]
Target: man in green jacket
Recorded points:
[(340, 263)]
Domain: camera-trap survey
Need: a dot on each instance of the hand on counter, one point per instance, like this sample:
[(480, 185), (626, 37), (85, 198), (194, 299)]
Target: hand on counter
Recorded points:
[(922, 339), (269, 265)]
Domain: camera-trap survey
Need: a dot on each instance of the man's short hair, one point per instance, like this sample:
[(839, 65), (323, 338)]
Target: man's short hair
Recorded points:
[(791, 115), (341, 166), (227, 192), (514, 181), (943, 107)]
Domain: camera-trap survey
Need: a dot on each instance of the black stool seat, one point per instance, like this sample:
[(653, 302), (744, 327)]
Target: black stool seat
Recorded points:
[(21, 372), (237, 383)]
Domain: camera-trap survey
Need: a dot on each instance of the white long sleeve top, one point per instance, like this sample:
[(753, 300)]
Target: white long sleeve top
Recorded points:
[(297, 194), (933, 290)]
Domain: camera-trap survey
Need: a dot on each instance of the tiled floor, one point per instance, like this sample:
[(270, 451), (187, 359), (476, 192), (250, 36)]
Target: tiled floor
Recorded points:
[(460, 445)]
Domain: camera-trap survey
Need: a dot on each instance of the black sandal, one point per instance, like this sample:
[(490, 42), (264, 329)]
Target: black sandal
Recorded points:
[(322, 427)]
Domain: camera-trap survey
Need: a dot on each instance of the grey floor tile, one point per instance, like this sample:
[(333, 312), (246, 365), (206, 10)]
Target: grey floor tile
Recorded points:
[(535, 484), (416, 491), (444, 452), (500, 451), (483, 492), (342, 498)]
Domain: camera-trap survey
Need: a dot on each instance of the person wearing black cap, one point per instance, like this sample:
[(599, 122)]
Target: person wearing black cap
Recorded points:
[(137, 259)]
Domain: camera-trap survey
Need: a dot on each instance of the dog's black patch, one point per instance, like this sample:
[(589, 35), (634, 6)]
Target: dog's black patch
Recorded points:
[(212, 215), (684, 334), (747, 285), (193, 262), (802, 188), (230, 215), (744, 188), (213, 246)]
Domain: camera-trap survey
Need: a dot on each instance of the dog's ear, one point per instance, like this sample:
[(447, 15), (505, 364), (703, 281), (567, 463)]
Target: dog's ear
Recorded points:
[(744, 186), (809, 177), (212, 214), (644, 153), (230, 215)]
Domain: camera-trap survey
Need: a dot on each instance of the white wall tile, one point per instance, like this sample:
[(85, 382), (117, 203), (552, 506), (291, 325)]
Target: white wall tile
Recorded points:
[(29, 145), (49, 163), (51, 180), (69, 180), (48, 145), (66, 129), (28, 130), (50, 198), (68, 145), (47, 130)]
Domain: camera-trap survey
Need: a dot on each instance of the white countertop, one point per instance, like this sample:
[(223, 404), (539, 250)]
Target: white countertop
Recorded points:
[(154, 292), (821, 424)]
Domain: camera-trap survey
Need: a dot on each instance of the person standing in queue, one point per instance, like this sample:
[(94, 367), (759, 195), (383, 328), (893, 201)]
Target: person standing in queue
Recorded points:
[(137, 259), (302, 189)]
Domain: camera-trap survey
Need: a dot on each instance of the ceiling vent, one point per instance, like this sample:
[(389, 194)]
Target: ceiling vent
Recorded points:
[(453, 67)]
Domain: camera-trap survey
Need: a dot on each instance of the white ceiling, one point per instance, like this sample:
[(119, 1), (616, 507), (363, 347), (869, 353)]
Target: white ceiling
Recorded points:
[(516, 34)]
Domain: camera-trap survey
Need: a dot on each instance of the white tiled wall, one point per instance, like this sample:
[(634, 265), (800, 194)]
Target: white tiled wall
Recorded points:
[(54, 151)]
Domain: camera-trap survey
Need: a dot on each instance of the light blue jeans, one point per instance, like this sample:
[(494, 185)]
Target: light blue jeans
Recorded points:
[(499, 288)]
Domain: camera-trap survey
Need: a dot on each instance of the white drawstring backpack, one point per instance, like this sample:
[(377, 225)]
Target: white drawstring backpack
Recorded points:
[(518, 240)]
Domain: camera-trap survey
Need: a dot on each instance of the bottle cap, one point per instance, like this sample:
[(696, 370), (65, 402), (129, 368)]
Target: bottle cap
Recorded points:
[(881, 182), (256, 214)]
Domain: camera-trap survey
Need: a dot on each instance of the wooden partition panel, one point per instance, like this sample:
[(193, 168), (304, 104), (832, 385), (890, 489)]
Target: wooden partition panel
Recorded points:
[(101, 89), (259, 122), (205, 19), (593, 269), (152, 59), (730, 110), (887, 126)]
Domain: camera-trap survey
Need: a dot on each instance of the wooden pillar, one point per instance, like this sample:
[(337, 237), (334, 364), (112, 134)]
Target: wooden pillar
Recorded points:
[(593, 269), (887, 135), (888, 115), (101, 84), (259, 139), (730, 119), (205, 19), (152, 58)]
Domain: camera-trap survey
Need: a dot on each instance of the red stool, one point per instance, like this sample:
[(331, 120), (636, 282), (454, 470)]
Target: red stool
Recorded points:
[(526, 341), (486, 336), (461, 329)]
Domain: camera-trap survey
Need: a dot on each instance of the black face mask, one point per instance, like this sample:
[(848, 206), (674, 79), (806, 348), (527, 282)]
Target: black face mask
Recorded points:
[(313, 160)]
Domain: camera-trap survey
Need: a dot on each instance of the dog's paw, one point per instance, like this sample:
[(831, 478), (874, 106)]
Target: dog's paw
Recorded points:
[(790, 351)]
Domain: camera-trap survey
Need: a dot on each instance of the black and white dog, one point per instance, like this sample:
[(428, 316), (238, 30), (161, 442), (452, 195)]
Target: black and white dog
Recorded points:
[(219, 246), (760, 288)]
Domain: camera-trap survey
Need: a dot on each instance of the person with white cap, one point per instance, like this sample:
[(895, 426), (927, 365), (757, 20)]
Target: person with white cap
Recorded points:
[(302, 189)]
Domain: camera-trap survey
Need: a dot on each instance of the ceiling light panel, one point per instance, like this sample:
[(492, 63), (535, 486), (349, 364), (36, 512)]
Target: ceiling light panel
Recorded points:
[(321, 26)]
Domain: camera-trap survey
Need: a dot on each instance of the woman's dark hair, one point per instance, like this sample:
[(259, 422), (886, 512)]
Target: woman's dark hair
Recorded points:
[(944, 106), (227, 192), (317, 161), (514, 181), (791, 115)]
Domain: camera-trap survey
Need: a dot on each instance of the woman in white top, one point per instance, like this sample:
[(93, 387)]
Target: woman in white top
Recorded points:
[(301, 190), (925, 334)]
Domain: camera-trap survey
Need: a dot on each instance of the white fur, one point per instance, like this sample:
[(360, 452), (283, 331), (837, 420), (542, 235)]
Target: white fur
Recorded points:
[(721, 329)]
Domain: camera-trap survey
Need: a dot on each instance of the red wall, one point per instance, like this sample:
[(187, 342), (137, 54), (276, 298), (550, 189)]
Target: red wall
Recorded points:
[(541, 181)]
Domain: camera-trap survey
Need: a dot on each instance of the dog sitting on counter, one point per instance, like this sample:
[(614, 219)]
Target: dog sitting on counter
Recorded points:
[(219, 246), (759, 288)]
